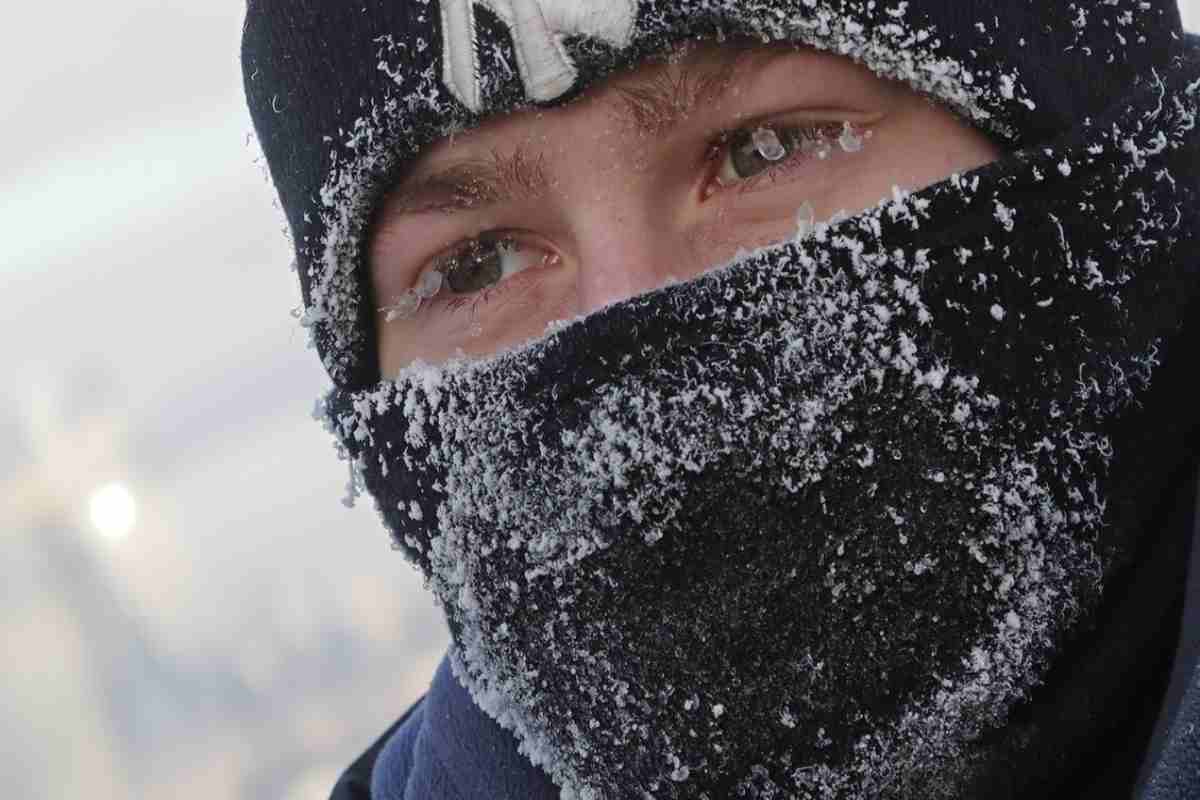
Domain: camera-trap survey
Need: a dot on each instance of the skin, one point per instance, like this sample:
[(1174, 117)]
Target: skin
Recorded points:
[(631, 187)]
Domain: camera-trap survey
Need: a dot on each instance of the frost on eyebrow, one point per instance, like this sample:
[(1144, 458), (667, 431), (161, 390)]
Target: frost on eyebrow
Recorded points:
[(655, 103)]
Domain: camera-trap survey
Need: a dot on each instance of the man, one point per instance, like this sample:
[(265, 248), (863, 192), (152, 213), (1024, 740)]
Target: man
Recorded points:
[(783, 399)]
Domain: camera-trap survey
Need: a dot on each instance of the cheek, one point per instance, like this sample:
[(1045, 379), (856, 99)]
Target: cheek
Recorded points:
[(912, 152), (928, 144)]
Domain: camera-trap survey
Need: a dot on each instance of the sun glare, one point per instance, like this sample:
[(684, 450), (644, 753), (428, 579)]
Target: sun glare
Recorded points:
[(113, 511)]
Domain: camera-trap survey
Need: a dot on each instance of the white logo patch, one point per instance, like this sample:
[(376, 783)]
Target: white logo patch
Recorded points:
[(538, 28)]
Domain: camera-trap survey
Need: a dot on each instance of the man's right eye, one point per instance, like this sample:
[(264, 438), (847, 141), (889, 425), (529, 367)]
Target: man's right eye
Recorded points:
[(480, 264)]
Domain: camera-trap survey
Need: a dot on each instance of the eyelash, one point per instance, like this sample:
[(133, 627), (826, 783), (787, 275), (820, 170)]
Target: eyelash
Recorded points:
[(460, 301)]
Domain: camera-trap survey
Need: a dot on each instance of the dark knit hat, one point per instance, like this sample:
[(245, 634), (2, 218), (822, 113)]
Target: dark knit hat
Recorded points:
[(345, 95)]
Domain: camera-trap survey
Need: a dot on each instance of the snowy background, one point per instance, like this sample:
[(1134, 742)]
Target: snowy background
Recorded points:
[(186, 609)]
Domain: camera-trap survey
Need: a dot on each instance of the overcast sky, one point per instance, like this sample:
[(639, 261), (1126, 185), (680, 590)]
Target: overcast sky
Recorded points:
[(147, 296), (146, 278)]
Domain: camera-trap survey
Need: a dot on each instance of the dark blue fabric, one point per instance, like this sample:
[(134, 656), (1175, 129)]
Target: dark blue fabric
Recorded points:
[(1172, 768), (1176, 776), (355, 782), (448, 749)]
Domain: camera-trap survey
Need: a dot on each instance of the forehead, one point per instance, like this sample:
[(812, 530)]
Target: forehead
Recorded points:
[(662, 89)]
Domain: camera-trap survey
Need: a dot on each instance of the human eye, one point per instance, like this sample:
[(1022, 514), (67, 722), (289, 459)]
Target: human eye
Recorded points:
[(742, 155), (471, 270)]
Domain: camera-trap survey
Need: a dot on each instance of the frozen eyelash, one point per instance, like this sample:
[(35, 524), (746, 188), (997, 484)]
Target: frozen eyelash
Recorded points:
[(433, 280), (428, 284), (767, 143), (405, 307), (474, 299), (812, 140), (850, 140)]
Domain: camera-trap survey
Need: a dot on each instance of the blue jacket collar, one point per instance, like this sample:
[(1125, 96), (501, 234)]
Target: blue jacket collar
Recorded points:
[(446, 748)]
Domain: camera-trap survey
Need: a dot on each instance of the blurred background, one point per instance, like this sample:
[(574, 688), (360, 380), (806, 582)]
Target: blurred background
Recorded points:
[(186, 609)]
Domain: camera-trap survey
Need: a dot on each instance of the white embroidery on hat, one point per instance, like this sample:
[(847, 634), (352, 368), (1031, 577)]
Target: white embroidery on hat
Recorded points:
[(538, 28)]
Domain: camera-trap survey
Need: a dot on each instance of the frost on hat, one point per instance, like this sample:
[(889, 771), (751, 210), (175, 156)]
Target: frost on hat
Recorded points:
[(344, 95)]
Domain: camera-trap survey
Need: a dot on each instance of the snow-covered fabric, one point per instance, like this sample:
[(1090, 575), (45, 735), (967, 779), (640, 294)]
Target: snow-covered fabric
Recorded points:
[(813, 523), (445, 748)]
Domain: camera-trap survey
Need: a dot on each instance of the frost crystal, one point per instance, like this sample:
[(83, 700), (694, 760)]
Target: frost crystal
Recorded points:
[(849, 140), (429, 284), (767, 143), (1005, 215), (405, 307), (806, 220)]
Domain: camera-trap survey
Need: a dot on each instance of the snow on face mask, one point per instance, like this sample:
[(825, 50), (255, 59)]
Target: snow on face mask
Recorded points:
[(812, 523)]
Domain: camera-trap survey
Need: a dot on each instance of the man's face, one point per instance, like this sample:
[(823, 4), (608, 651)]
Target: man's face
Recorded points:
[(655, 175)]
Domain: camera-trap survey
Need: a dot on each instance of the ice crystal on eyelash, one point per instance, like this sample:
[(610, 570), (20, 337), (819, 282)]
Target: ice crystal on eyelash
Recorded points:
[(429, 284), (404, 308), (767, 143), (849, 140)]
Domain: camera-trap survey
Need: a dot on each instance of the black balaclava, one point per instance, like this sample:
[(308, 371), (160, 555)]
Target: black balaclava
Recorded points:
[(814, 523)]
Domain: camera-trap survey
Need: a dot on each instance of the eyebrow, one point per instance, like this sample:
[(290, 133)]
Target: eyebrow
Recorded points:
[(658, 102), (652, 104), (471, 184)]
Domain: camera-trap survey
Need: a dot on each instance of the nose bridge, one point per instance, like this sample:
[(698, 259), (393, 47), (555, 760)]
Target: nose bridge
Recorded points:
[(626, 234), (625, 248)]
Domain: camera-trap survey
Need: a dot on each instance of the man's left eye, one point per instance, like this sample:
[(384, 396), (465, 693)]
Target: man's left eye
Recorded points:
[(748, 152)]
